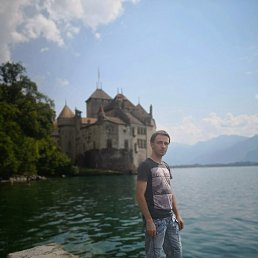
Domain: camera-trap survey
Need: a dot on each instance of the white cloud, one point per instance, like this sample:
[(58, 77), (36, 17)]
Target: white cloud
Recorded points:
[(10, 18), (26, 20), (65, 10), (254, 72), (256, 96), (190, 131), (39, 25), (99, 12), (71, 31), (5, 53), (133, 1), (98, 35), (185, 132), (44, 49), (62, 82)]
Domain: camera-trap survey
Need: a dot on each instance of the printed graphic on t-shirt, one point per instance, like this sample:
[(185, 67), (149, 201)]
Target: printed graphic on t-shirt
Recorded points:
[(161, 188)]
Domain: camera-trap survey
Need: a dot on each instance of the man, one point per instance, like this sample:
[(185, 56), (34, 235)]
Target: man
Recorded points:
[(157, 202)]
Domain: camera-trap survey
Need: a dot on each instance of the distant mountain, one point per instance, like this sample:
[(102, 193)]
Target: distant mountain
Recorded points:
[(220, 150)]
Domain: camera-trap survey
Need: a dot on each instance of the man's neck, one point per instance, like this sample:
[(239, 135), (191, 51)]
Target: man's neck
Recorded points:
[(156, 159)]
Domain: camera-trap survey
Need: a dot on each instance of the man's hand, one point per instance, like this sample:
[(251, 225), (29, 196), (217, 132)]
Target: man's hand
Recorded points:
[(150, 227), (180, 222)]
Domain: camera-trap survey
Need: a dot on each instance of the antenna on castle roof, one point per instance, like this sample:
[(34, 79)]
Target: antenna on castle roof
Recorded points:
[(99, 84)]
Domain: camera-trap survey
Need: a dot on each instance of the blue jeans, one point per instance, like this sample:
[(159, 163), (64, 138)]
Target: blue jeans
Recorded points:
[(167, 237)]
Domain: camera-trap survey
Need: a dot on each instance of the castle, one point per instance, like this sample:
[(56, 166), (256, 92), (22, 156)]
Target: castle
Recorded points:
[(115, 134)]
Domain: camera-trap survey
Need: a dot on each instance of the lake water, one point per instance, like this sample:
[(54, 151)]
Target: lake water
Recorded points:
[(98, 217)]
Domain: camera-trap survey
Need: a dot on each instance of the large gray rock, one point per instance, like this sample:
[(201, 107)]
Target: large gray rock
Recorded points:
[(44, 251)]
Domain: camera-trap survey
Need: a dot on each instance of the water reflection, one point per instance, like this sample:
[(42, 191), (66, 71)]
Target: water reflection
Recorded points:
[(90, 217)]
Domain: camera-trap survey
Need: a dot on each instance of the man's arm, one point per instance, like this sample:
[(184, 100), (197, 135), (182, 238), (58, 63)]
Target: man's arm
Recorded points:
[(140, 191), (176, 211)]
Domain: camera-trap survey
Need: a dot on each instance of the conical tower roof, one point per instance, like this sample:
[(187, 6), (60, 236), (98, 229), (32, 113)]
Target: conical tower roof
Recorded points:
[(66, 112), (140, 108), (126, 102), (99, 94)]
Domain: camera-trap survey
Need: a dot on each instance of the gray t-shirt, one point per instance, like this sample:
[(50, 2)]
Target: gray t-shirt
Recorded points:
[(158, 193)]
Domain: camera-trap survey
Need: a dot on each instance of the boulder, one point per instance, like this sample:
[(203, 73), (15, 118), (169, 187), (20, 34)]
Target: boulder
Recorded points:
[(44, 251)]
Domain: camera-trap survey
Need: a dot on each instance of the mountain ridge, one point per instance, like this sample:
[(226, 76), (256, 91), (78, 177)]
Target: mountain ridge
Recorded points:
[(223, 149)]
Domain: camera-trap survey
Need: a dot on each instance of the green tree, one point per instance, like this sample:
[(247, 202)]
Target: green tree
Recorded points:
[(26, 121), (35, 110), (51, 160), (8, 161)]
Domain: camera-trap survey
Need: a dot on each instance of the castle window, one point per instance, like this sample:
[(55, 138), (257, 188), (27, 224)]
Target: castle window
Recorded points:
[(109, 129), (141, 143), (135, 148), (133, 132), (126, 144), (141, 130), (109, 143)]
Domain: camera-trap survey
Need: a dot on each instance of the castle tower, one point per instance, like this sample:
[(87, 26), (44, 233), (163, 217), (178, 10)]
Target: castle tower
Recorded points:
[(97, 99), (67, 131)]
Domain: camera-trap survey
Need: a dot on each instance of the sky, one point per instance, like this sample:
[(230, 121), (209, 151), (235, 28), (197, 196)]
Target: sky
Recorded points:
[(195, 62)]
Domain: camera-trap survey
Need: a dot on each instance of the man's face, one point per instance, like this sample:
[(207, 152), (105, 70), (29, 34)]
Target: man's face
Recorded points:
[(160, 145)]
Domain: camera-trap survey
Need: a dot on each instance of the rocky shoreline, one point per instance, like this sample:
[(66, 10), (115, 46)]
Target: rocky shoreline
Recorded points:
[(23, 179), (44, 251), (81, 173)]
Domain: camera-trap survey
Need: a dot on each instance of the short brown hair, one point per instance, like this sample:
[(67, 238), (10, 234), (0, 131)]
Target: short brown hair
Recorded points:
[(160, 132)]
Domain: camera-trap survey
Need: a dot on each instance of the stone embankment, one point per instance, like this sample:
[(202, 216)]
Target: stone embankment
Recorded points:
[(45, 251)]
